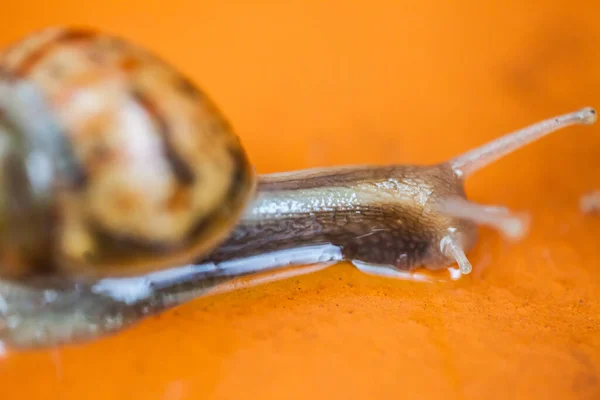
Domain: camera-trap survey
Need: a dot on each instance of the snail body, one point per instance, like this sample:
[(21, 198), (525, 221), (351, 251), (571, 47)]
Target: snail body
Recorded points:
[(125, 191)]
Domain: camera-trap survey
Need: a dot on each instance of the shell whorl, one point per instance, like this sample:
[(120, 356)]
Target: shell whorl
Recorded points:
[(150, 172)]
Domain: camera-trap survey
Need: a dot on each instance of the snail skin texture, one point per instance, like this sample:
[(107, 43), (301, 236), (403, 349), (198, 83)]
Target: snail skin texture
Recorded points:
[(126, 192)]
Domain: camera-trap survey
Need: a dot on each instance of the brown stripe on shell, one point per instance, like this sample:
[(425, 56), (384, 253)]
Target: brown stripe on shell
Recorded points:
[(113, 242), (130, 245), (188, 88), (122, 246), (240, 180), (182, 171), (35, 57)]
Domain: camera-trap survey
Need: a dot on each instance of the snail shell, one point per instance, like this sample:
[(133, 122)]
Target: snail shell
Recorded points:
[(112, 162)]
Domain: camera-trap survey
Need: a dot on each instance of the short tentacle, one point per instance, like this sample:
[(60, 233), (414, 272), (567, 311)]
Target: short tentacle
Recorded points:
[(450, 247)]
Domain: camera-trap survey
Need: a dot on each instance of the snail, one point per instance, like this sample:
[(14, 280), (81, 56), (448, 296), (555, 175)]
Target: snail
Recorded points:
[(125, 191)]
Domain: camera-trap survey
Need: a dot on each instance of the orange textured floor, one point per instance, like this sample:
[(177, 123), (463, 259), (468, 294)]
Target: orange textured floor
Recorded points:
[(310, 83)]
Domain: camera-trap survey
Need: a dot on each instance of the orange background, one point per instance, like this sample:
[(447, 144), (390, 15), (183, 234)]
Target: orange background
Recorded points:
[(310, 83)]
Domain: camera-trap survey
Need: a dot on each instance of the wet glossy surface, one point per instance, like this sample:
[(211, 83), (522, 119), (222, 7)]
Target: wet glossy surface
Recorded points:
[(307, 84)]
